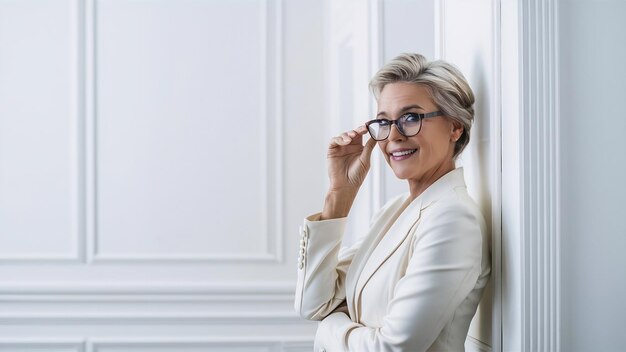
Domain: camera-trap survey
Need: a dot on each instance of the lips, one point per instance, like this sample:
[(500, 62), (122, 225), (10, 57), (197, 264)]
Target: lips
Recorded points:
[(401, 154), (404, 152)]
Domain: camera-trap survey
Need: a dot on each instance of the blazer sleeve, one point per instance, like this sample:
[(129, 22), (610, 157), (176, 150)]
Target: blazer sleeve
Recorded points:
[(441, 273), (322, 267)]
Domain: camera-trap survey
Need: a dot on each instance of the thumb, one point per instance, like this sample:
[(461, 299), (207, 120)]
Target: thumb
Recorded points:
[(366, 154)]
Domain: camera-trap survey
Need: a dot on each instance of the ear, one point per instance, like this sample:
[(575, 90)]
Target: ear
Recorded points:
[(456, 131)]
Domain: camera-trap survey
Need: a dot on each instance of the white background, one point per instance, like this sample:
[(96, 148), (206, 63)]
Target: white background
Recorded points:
[(593, 168), (157, 157)]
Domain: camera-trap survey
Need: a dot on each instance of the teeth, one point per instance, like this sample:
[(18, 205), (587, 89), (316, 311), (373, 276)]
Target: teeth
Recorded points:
[(404, 152)]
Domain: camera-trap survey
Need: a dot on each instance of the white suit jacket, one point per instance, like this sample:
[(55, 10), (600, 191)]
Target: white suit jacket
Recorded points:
[(412, 284)]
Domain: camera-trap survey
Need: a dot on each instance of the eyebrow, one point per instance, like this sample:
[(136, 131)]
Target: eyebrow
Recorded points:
[(403, 110)]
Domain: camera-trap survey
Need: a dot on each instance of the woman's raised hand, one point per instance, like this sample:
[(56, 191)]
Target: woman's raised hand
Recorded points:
[(348, 164), (349, 159)]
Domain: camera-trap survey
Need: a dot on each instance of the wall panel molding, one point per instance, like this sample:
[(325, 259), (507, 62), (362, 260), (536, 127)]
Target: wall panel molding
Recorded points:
[(376, 39), (58, 319), (182, 344), (440, 29), (231, 290), (270, 343), (271, 41), (196, 304), (540, 177), (90, 162), (42, 344), (174, 292)]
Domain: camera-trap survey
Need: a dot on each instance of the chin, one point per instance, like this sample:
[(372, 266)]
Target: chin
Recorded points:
[(403, 174)]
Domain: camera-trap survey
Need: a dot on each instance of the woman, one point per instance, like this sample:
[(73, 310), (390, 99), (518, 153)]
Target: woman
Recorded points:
[(414, 281)]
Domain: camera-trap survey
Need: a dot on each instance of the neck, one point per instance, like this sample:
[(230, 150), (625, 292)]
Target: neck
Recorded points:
[(418, 186)]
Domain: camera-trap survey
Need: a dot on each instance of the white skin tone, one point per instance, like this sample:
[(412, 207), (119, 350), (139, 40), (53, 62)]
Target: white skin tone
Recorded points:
[(349, 159)]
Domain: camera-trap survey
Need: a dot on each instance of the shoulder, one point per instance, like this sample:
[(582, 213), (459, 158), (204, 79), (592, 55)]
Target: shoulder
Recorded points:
[(455, 204), (454, 215)]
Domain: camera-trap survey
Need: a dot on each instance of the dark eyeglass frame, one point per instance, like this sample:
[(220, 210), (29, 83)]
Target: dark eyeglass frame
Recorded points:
[(398, 124)]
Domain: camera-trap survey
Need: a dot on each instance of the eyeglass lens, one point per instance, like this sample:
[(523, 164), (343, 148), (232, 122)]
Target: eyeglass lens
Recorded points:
[(408, 125)]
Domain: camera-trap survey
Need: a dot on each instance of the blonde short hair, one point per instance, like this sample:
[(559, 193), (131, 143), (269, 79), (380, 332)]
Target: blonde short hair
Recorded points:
[(447, 85)]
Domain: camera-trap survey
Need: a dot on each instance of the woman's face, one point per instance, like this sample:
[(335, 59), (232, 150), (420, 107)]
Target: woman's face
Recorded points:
[(431, 149)]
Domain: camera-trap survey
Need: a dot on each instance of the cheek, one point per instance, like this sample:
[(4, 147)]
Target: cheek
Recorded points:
[(435, 145), (437, 137)]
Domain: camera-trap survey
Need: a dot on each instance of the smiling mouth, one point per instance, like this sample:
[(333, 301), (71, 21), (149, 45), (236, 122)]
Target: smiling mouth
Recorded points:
[(403, 153)]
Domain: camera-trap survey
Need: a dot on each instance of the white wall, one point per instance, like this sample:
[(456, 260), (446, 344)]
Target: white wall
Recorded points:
[(471, 43), (156, 159), (593, 164)]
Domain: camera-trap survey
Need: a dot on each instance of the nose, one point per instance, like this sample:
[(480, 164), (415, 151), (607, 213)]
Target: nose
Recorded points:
[(394, 134)]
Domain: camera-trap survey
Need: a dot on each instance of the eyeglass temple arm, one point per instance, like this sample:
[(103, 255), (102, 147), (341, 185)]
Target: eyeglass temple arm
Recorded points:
[(432, 114)]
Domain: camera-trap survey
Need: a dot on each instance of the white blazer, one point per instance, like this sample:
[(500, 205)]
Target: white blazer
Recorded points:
[(412, 284)]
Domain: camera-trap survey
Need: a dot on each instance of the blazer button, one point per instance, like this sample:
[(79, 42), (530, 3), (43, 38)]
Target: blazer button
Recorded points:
[(300, 265)]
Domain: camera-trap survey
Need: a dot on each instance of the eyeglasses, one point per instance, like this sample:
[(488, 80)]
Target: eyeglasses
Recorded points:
[(408, 125)]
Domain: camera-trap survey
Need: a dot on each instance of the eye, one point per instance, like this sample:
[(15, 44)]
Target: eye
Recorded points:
[(411, 118)]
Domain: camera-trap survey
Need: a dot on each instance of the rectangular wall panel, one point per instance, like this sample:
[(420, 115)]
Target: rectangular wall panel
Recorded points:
[(182, 131), (39, 123)]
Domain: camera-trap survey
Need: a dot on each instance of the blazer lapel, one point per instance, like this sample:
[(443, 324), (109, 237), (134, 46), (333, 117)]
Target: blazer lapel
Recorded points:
[(361, 258), (380, 251)]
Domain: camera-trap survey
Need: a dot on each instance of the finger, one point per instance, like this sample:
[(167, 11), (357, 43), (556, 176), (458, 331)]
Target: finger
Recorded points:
[(366, 154), (339, 141), (361, 130), (352, 137), (348, 137), (334, 141)]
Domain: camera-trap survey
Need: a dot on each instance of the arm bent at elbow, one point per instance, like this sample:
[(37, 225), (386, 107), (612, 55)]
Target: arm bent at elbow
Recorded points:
[(322, 268)]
